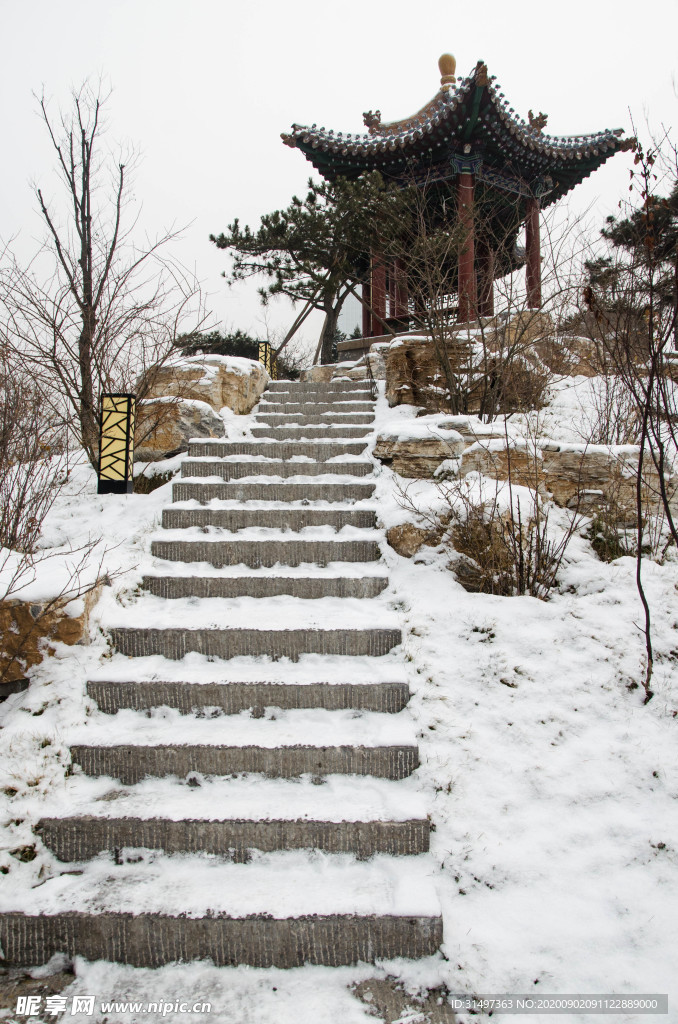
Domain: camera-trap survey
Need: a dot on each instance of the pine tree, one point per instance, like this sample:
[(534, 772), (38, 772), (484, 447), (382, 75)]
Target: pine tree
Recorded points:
[(316, 249)]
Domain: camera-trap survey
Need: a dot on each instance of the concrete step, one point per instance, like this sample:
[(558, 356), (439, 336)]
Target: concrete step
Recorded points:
[(339, 492), (80, 838), (330, 431), (275, 518), (132, 763), (319, 451), (280, 419), (266, 552), (311, 407), (151, 940), (315, 387), (232, 698), (175, 643), (307, 587), (242, 470)]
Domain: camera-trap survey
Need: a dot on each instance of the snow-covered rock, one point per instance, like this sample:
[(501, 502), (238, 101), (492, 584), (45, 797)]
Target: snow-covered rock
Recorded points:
[(218, 380), (164, 426)]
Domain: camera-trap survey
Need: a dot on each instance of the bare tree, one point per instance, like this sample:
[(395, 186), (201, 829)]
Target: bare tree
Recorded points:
[(630, 306), (34, 467), (92, 311)]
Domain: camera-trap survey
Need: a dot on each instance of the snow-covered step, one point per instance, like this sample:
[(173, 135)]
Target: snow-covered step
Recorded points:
[(329, 430), (246, 797), (306, 587), (235, 697), (239, 470), (197, 668), (282, 909), (276, 728), (174, 643), (281, 884), (280, 518), (278, 419), (312, 407), (130, 763), (265, 490), (79, 838), (317, 387), (334, 491), (283, 551), (319, 451)]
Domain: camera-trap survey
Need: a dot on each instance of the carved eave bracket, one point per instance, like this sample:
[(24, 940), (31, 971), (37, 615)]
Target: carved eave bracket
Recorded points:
[(372, 121), (537, 121)]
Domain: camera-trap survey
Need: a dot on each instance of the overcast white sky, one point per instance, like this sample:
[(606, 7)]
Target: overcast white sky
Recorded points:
[(204, 89)]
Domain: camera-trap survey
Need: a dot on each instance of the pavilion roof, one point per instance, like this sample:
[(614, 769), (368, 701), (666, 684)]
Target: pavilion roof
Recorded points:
[(470, 126)]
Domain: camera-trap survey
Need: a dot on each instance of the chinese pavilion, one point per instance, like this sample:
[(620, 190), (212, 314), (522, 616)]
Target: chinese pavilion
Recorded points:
[(470, 138)]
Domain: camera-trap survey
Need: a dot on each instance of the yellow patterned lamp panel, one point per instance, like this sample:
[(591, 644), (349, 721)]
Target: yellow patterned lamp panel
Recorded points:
[(266, 357), (116, 444)]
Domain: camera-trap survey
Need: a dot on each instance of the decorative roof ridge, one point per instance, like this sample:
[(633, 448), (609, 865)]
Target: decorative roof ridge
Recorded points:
[(392, 134)]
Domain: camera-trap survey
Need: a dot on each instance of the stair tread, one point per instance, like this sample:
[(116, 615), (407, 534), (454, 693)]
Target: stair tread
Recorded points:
[(322, 532), (308, 728), (282, 884), (310, 570), (269, 472), (281, 613), (197, 668), (248, 797)]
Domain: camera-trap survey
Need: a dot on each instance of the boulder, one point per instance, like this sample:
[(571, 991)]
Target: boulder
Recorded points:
[(418, 453), (406, 538), (218, 380), (575, 475), (29, 630), (413, 374), (321, 374), (164, 426)]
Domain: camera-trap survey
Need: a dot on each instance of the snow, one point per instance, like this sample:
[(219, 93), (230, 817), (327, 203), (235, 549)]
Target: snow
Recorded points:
[(248, 797), (552, 788), (284, 884), (314, 727), (210, 365)]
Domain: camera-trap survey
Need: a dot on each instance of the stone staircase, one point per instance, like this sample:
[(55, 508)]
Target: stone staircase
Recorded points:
[(211, 814)]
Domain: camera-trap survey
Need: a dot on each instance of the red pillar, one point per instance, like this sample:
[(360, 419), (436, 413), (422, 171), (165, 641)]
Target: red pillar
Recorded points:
[(391, 283), (401, 311), (367, 316), (467, 270), (533, 253), (378, 294), (486, 281)]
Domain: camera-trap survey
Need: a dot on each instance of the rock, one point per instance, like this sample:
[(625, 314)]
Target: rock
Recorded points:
[(467, 573), (218, 380), (351, 371), (377, 362), (521, 329), (164, 427), (321, 374), (418, 456), (28, 630), (406, 538), (477, 356), (413, 374), (587, 477)]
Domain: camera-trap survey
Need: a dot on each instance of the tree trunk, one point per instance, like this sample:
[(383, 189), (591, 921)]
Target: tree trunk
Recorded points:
[(329, 333)]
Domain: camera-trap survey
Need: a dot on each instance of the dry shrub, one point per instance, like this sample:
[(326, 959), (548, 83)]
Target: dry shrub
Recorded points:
[(511, 554), (28, 482), (493, 546)]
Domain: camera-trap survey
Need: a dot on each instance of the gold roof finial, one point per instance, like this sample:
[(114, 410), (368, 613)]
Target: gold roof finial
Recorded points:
[(448, 66)]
